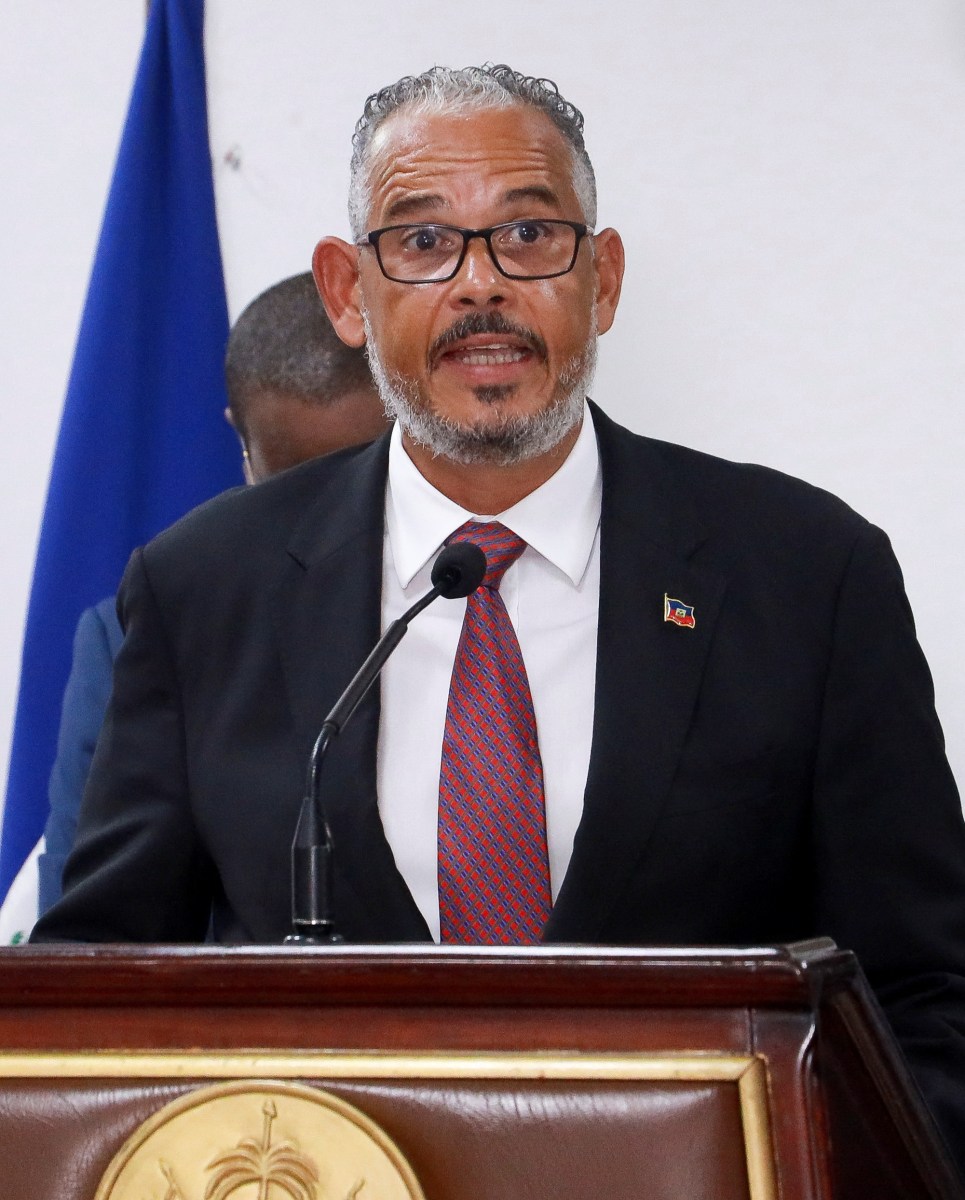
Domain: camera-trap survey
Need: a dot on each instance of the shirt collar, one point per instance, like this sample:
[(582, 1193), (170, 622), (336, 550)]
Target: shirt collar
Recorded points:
[(419, 518)]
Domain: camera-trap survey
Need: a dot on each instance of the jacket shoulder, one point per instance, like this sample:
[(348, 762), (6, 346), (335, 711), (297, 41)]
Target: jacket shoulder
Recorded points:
[(721, 494)]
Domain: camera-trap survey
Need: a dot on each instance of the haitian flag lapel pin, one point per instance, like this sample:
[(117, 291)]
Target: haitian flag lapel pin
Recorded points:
[(678, 613)]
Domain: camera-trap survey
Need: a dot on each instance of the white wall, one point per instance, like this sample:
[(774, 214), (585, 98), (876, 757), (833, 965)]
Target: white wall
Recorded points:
[(788, 178), (65, 78)]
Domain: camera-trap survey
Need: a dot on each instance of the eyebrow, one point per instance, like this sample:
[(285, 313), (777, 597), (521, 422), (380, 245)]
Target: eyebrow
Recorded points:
[(406, 206), (537, 192), (419, 203)]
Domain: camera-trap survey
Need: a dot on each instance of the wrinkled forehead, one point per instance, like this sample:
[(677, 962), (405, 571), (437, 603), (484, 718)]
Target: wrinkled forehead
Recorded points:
[(437, 161)]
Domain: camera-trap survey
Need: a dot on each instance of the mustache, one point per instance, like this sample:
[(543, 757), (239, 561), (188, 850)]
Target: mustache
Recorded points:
[(473, 324)]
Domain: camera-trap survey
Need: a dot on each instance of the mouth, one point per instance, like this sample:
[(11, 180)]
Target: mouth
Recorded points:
[(487, 349), (487, 354)]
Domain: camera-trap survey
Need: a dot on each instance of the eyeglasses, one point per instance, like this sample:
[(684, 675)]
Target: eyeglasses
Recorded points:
[(531, 249)]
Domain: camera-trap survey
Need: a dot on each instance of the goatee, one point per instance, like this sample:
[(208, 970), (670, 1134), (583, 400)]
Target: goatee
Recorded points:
[(514, 439)]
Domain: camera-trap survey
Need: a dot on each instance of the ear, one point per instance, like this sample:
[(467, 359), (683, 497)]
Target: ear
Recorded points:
[(229, 416), (608, 262), (335, 267)]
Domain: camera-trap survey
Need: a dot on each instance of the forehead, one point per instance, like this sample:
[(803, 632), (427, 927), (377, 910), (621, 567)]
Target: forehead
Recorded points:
[(422, 164)]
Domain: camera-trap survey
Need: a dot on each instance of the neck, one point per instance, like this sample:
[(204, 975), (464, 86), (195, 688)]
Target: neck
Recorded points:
[(486, 488)]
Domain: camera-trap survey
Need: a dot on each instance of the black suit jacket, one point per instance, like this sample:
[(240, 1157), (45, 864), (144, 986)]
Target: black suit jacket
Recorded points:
[(773, 773)]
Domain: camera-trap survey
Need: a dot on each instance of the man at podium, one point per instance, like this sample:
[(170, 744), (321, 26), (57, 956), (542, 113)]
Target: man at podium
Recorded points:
[(686, 704)]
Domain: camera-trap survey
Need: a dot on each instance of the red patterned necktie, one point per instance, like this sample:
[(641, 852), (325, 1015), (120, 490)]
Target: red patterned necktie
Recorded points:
[(494, 884)]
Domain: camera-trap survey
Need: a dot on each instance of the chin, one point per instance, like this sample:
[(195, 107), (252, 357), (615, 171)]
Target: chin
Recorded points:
[(496, 438)]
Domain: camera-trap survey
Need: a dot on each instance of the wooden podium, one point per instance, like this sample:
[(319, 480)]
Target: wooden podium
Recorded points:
[(667, 1074)]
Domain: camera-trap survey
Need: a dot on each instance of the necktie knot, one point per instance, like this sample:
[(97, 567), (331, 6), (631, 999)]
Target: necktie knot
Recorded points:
[(500, 545)]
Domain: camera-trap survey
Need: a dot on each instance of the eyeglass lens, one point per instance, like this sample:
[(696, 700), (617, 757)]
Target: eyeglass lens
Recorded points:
[(522, 248)]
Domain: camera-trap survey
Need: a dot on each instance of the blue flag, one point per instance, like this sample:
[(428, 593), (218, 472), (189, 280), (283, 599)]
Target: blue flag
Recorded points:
[(142, 438)]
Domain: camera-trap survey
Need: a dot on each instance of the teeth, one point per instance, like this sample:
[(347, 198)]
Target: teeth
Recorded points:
[(496, 356)]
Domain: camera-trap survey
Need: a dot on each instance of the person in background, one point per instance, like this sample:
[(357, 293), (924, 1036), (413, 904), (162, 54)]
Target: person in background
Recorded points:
[(295, 391)]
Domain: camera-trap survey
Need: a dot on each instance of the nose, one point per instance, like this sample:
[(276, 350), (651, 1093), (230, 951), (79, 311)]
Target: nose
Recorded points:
[(478, 284)]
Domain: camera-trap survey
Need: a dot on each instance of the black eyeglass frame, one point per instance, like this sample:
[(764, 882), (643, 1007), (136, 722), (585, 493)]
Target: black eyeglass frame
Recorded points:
[(372, 239)]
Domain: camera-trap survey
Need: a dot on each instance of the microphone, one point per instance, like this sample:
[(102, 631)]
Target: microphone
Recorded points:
[(458, 571)]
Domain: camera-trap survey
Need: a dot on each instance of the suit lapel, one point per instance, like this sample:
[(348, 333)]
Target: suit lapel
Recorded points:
[(648, 674), (328, 617)]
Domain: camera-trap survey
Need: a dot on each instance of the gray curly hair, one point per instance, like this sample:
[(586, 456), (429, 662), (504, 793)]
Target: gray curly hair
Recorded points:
[(443, 89)]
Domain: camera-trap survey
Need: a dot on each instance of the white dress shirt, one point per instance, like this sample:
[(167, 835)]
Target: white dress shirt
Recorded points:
[(552, 594)]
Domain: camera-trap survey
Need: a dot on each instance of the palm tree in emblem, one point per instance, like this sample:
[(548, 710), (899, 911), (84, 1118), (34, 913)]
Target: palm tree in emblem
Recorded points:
[(271, 1168), (173, 1192)]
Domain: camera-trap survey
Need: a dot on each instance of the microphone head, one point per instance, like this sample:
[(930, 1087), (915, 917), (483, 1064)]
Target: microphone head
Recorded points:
[(458, 570)]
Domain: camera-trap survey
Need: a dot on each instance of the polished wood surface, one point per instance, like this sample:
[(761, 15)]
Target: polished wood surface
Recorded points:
[(676, 977)]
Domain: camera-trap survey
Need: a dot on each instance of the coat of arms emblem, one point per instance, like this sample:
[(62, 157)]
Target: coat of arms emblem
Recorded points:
[(259, 1140)]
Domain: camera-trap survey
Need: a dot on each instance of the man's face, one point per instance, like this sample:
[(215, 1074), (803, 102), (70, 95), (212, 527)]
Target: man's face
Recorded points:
[(283, 431), (480, 350)]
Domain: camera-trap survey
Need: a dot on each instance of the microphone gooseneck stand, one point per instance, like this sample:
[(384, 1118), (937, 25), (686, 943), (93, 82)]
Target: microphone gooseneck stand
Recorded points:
[(457, 572)]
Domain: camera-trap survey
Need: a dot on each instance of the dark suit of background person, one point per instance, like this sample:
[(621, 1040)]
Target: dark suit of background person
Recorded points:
[(96, 643), (774, 772), (294, 392)]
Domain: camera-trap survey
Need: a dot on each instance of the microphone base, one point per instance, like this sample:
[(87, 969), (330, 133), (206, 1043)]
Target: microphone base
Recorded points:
[(322, 935)]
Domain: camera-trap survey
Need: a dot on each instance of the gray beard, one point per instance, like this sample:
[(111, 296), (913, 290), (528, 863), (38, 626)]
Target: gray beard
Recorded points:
[(515, 439)]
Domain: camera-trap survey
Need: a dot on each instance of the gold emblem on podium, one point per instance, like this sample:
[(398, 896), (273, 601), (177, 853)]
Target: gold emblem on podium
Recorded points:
[(259, 1140)]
